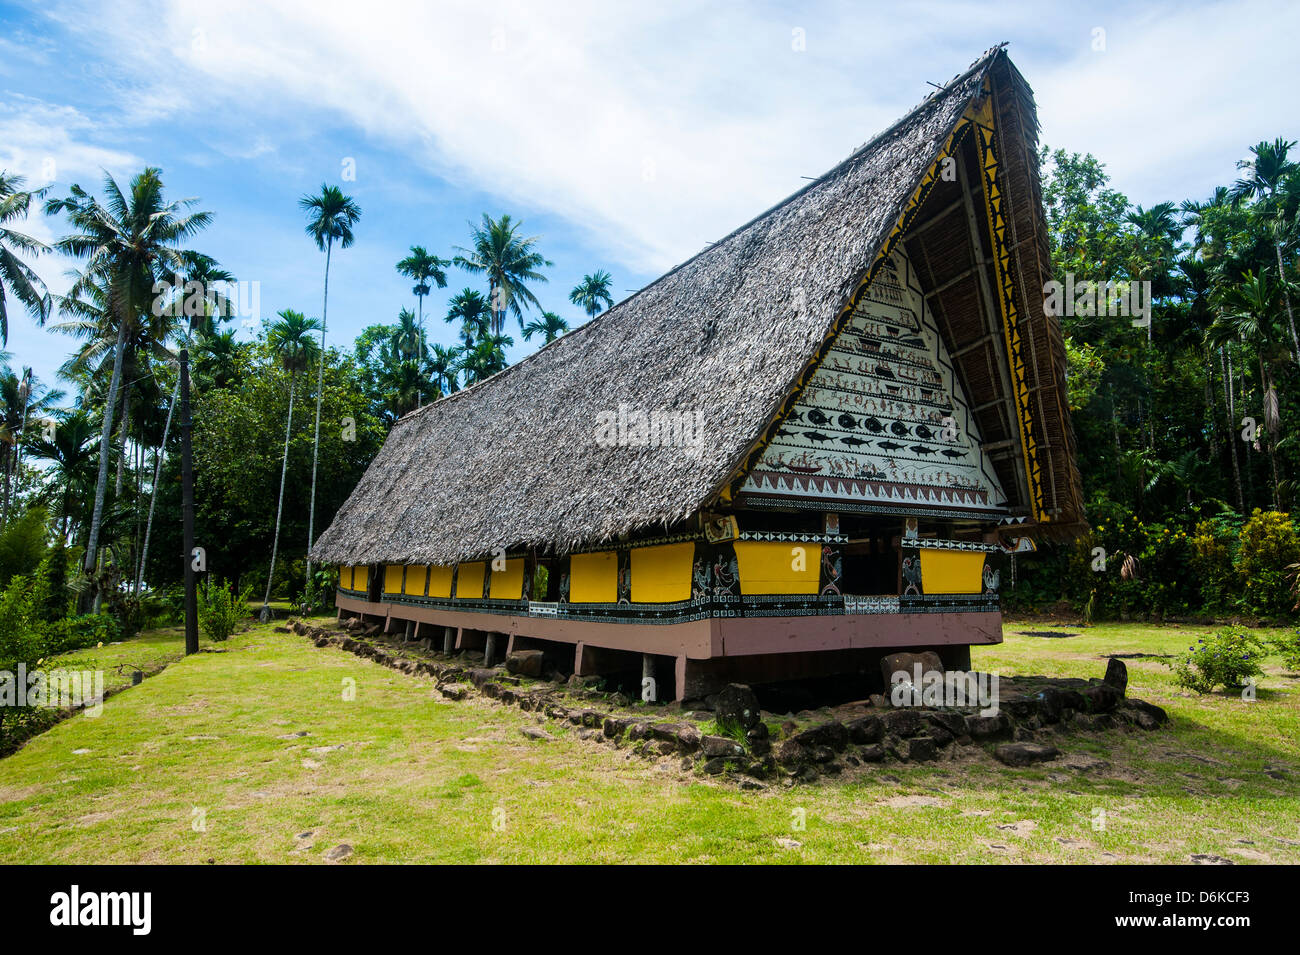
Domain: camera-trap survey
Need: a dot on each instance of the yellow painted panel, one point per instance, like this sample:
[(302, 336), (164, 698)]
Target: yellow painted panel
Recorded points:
[(393, 579), (469, 580), (415, 575), (507, 584), (593, 578), (361, 577), (779, 567), (662, 574), (345, 578), (952, 571), (440, 581)]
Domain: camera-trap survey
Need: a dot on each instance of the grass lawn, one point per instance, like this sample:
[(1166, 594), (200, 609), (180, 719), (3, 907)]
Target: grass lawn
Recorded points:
[(235, 755)]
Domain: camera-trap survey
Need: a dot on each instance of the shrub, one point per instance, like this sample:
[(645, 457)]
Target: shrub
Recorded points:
[(1288, 646), (1268, 543), (23, 544), (25, 640), (221, 609), (1211, 561), (149, 610), (59, 599), (317, 593), (88, 630), (24, 634), (1226, 658)]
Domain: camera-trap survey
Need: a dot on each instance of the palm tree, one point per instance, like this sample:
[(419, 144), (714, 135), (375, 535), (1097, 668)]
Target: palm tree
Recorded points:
[(291, 343), (402, 383), (1266, 173), (1154, 246), (1247, 313), (87, 316), (551, 327), (216, 359), (201, 301), (72, 452), (592, 293), (21, 400), (203, 306), (126, 243), (1201, 216), (509, 261), (470, 308), (444, 366), (423, 268), (486, 358), (406, 336), (15, 275), (331, 216)]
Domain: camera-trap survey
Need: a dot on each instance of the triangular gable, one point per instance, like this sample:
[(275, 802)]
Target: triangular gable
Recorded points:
[(883, 424)]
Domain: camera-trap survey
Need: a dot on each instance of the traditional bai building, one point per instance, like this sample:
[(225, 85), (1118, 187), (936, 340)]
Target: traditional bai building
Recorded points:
[(814, 443)]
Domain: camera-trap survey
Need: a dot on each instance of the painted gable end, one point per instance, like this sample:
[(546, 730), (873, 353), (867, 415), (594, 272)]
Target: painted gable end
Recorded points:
[(883, 424)]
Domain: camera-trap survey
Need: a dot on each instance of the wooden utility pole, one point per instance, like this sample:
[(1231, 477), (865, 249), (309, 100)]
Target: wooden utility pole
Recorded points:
[(187, 509)]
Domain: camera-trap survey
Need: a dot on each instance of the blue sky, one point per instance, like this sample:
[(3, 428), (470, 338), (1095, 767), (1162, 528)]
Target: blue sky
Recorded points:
[(627, 138)]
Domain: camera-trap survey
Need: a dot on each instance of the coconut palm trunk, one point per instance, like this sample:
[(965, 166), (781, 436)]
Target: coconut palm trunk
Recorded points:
[(153, 494), (320, 394), (105, 444), (12, 454), (279, 508), (1286, 297), (1270, 424), (125, 429), (1232, 427), (9, 454)]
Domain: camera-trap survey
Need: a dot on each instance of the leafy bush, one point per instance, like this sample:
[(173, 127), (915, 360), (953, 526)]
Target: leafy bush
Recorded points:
[(23, 544), (1226, 658), (1268, 543), (317, 593), (221, 609), (24, 633), (1213, 544), (1215, 563), (1288, 646), (59, 562), (88, 630), (25, 640), (149, 610)]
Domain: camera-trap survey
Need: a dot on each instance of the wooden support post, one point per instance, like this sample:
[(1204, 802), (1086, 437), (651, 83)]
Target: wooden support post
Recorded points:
[(410, 628), (448, 640), (648, 673), (490, 649)]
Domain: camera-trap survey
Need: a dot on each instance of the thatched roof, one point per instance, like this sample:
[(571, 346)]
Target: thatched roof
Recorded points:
[(514, 461)]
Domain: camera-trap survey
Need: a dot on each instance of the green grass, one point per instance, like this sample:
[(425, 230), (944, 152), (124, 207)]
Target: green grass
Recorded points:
[(418, 779)]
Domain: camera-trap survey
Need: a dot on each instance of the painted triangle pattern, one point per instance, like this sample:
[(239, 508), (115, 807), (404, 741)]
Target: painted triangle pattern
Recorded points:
[(883, 418)]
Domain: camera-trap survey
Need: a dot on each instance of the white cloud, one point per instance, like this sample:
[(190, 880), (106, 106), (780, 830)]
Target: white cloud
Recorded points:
[(51, 144), (660, 128), (1177, 96)]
